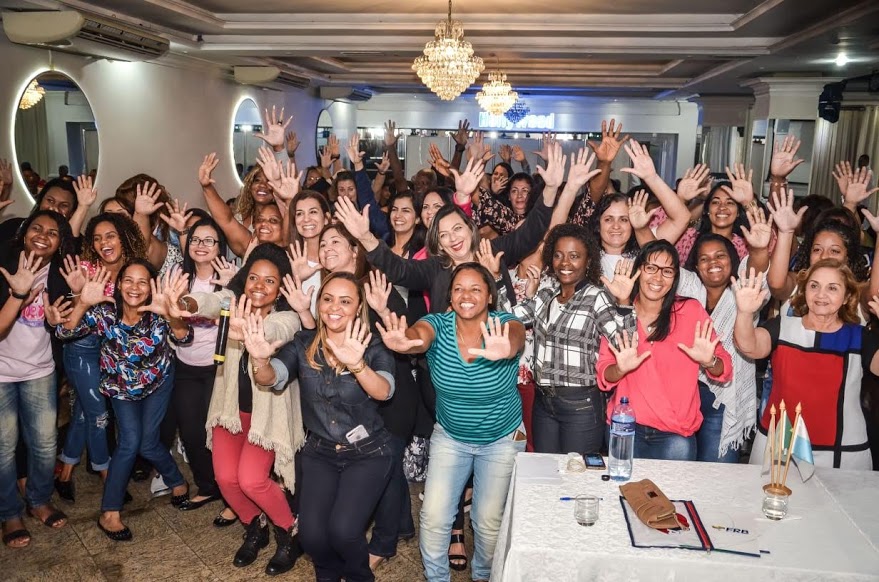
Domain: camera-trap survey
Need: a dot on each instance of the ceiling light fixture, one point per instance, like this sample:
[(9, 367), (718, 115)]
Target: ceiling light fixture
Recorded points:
[(448, 66), (841, 60), (32, 95), (497, 96)]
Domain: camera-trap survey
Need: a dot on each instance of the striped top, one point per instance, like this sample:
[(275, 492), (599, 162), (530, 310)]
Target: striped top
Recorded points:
[(476, 403)]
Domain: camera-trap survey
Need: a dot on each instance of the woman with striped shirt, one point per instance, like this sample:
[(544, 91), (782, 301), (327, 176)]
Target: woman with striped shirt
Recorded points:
[(473, 352)]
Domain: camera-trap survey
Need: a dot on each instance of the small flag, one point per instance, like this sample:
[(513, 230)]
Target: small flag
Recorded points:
[(784, 438), (802, 451), (770, 438)]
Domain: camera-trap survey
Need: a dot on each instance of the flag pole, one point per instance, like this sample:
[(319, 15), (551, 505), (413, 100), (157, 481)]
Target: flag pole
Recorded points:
[(790, 450), (782, 416), (772, 448)]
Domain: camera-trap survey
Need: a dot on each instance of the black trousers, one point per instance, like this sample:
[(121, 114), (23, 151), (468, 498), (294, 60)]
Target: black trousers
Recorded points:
[(190, 399), (340, 490)]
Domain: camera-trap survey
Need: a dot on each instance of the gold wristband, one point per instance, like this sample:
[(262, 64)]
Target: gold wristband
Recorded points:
[(357, 369), (713, 363)]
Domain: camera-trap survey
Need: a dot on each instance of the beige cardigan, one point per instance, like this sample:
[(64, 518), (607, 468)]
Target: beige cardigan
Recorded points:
[(276, 418)]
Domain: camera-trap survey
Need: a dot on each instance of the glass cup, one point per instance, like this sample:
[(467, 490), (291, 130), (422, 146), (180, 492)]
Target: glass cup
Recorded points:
[(575, 464), (586, 509), (775, 503)]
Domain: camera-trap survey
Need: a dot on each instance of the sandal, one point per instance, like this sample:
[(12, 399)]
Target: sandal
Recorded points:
[(18, 534), (178, 500), (123, 535), (458, 562), (52, 520)]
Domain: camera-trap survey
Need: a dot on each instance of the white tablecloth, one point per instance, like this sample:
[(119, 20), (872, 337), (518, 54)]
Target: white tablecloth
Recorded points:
[(831, 533)]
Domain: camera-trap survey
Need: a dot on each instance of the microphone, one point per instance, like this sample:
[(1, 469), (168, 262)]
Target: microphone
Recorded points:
[(222, 334)]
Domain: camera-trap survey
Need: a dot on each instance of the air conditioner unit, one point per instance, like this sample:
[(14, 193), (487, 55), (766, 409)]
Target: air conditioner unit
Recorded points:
[(348, 93), (83, 34), (291, 80)]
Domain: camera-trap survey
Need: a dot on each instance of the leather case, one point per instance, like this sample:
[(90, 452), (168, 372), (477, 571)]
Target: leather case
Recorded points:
[(650, 504)]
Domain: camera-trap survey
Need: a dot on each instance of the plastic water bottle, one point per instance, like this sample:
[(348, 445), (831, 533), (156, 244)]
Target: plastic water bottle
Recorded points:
[(622, 441)]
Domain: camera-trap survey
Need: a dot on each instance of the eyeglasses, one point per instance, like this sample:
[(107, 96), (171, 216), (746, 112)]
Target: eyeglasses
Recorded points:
[(205, 242), (651, 269)]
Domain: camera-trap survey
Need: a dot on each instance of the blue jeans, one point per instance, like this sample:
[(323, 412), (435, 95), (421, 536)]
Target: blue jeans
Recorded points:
[(393, 515), (88, 425), (33, 406), (341, 486), (449, 468), (568, 423), (708, 435), (137, 427), (651, 443)]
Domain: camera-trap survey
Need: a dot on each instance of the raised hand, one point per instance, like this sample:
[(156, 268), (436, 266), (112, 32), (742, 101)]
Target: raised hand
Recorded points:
[(275, 128), (93, 291), (326, 157), (437, 160), (299, 261), (158, 300), (176, 217), (287, 186), (298, 298), (496, 341), (5, 171), (742, 190), (546, 142), (292, 143), (266, 160), (353, 151), (478, 149), (394, 334), (356, 222), (702, 351), (691, 185), (784, 159), (638, 216), (519, 154), (147, 200), (627, 355), (533, 280), (498, 183), (57, 313), (582, 168), (224, 271), (207, 167), (378, 289), (86, 193), (23, 280), (333, 144), (858, 189), (750, 292), (390, 134), (486, 257), (506, 153), (782, 211), (760, 233), (606, 150), (624, 277), (255, 341), (642, 163), (356, 339), (463, 134), (74, 273), (554, 174), (384, 165), (871, 218), (4, 203), (843, 174), (238, 312)]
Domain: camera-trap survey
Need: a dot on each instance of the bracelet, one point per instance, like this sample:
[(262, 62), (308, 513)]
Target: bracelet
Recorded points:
[(23, 296), (256, 369), (357, 369), (713, 363)]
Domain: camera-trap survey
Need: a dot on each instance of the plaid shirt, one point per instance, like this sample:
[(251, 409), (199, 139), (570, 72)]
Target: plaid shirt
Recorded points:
[(565, 351)]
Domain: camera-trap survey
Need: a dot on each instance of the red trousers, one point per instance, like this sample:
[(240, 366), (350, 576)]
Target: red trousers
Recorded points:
[(243, 473)]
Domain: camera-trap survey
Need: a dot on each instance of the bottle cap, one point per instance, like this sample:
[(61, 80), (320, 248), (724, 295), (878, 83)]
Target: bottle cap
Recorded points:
[(624, 400), (605, 477)]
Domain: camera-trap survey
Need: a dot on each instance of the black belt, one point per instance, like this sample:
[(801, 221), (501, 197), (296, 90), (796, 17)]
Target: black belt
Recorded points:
[(569, 390)]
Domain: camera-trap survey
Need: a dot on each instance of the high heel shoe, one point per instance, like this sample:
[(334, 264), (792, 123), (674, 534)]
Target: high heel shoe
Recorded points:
[(460, 558)]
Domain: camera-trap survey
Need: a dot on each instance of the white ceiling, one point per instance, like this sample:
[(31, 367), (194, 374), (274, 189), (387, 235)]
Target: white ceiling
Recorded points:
[(651, 48)]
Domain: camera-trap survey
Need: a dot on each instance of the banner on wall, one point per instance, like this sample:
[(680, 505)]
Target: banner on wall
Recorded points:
[(489, 121)]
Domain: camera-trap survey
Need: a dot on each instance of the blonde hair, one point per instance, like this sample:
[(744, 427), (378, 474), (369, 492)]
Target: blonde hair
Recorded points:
[(245, 203), (320, 339), (849, 310)]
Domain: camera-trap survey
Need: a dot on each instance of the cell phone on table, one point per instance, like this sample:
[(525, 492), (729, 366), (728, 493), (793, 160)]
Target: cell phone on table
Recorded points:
[(595, 461)]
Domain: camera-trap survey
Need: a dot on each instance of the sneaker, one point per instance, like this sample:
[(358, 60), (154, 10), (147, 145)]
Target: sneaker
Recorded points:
[(158, 487)]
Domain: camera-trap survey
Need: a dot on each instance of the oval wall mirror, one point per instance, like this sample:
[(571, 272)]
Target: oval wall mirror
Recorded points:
[(247, 121), (55, 131), (324, 129)]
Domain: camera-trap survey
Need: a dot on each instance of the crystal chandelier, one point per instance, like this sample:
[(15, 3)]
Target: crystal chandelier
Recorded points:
[(497, 96), (448, 66), (32, 95), (517, 112)]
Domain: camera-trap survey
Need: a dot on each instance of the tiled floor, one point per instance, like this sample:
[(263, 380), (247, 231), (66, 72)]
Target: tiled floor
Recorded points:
[(168, 545)]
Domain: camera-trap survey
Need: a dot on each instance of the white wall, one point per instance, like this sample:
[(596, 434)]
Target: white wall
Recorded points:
[(153, 118)]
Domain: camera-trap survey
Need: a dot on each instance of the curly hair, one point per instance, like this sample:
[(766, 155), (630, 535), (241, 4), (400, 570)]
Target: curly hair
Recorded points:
[(850, 238), (127, 191), (133, 245), (580, 233), (245, 204), (264, 252), (848, 312)]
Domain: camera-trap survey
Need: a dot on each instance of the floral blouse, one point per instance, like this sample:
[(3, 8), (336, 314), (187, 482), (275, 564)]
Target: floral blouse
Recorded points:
[(134, 359), (492, 212)]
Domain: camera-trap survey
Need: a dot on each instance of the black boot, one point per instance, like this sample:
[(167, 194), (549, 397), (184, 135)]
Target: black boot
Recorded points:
[(286, 554), (256, 537)]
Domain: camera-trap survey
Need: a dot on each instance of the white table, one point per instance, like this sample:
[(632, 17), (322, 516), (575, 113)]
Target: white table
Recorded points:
[(832, 532)]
